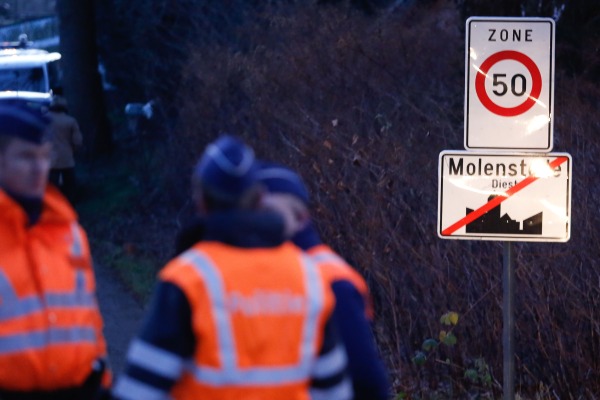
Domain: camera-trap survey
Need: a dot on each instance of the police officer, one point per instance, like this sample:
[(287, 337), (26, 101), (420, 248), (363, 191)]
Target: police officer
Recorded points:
[(353, 310), (51, 341), (242, 314)]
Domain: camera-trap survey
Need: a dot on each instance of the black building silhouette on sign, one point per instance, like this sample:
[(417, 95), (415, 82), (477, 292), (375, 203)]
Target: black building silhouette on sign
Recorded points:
[(493, 222)]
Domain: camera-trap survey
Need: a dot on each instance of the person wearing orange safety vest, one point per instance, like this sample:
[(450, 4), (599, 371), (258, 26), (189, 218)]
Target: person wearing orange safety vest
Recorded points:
[(51, 340), (354, 309), (241, 314)]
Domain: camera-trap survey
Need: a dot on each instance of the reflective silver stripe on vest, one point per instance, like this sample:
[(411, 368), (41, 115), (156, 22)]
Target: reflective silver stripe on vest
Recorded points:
[(85, 300), (155, 360), (229, 373), (52, 336), (79, 298), (77, 245), (328, 257), (11, 306), (335, 360), (129, 389)]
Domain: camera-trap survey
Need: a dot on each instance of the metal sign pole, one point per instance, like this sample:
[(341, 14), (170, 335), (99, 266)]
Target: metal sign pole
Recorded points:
[(508, 308)]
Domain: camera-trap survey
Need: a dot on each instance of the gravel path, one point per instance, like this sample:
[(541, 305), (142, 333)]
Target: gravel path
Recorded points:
[(121, 312)]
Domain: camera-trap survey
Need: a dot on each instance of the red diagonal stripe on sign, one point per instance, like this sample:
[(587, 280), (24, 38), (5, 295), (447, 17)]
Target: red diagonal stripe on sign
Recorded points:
[(497, 200)]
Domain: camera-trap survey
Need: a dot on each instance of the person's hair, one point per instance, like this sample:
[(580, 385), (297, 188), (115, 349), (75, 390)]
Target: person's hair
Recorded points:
[(59, 104), (58, 108)]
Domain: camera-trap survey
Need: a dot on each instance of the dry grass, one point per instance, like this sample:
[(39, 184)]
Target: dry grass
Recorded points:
[(362, 106)]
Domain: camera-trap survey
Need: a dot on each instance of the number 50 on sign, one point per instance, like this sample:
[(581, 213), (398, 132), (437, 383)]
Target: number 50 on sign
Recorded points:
[(509, 84)]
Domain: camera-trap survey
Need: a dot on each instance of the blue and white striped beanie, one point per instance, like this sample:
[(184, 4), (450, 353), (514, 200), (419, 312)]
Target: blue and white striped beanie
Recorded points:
[(280, 179), (226, 170)]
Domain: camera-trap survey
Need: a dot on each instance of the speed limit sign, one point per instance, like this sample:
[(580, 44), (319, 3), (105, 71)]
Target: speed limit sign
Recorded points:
[(509, 95)]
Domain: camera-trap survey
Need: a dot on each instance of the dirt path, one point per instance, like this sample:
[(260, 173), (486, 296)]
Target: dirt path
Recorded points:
[(121, 312)]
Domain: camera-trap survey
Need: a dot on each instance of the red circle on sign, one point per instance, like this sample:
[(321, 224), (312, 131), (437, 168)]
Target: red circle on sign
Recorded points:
[(536, 86)]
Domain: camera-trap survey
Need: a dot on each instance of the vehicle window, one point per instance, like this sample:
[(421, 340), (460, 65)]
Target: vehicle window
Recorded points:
[(55, 75), (26, 79)]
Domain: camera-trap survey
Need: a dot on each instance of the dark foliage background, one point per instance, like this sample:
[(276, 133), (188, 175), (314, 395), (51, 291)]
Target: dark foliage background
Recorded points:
[(361, 97)]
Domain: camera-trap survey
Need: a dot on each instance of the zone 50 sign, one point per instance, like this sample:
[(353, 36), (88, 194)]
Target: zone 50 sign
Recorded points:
[(509, 84)]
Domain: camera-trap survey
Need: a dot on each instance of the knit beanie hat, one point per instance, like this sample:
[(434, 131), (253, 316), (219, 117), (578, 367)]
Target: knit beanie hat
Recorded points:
[(280, 179), (226, 170), (20, 120)]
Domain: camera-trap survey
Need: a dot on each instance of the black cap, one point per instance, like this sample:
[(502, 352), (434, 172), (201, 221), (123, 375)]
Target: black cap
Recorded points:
[(21, 120)]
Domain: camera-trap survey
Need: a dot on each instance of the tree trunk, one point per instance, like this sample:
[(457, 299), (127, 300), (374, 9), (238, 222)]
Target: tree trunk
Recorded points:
[(81, 79)]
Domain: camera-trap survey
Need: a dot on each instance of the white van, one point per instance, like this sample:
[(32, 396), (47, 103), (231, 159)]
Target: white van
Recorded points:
[(27, 73)]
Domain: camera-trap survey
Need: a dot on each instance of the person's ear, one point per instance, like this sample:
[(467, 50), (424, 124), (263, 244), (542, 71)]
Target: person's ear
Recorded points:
[(301, 213)]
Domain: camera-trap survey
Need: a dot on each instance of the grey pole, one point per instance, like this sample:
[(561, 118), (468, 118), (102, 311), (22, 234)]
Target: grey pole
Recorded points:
[(508, 323)]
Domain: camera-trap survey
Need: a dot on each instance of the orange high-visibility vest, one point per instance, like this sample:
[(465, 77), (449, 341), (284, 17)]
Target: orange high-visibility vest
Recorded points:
[(50, 326), (336, 268), (258, 316)]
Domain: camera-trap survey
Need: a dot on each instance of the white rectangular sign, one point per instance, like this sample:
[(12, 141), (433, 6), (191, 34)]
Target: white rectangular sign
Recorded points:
[(509, 75), (512, 197)]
